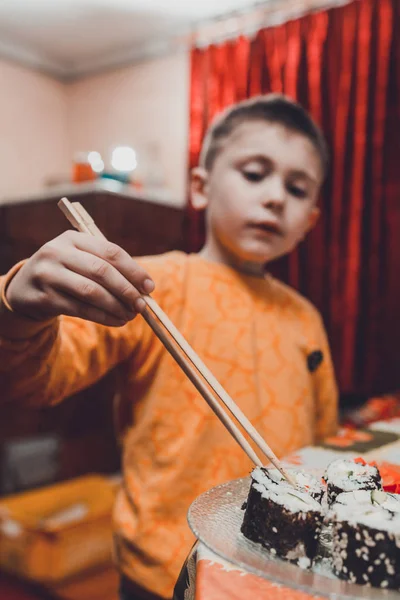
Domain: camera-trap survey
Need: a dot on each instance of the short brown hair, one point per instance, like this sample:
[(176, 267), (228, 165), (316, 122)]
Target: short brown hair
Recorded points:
[(273, 108)]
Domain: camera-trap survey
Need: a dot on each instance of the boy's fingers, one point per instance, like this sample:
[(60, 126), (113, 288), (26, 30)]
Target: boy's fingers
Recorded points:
[(117, 257), (95, 269), (90, 293), (71, 307)]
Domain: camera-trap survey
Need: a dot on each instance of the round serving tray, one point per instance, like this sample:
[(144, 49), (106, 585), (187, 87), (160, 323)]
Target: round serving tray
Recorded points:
[(215, 518)]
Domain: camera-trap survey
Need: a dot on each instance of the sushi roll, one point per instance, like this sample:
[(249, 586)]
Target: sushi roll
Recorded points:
[(347, 476), (366, 538), (305, 481), (308, 483), (285, 520)]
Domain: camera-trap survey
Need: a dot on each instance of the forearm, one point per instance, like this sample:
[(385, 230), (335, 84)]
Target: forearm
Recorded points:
[(27, 348), (26, 363), (41, 363), (64, 357)]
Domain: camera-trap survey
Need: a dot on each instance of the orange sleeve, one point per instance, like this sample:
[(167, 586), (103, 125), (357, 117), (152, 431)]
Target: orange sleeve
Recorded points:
[(46, 362), (65, 356), (41, 363), (326, 392)]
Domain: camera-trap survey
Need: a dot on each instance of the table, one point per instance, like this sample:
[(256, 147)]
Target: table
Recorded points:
[(207, 576), (100, 584)]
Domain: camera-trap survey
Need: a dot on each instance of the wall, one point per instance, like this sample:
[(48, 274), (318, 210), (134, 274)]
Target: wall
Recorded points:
[(43, 123), (144, 106), (33, 130)]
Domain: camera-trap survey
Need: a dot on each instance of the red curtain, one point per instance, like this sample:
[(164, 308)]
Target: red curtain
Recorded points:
[(343, 65)]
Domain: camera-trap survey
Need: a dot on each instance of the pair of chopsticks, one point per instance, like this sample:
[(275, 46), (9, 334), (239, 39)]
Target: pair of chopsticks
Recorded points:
[(186, 357)]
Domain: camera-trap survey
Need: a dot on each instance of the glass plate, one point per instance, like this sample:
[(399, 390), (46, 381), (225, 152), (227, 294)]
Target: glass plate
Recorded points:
[(215, 518)]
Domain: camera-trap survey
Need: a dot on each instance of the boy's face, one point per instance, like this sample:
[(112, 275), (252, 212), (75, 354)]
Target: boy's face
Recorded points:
[(260, 194)]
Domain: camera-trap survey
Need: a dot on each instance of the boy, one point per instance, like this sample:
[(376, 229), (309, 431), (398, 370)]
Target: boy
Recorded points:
[(260, 173)]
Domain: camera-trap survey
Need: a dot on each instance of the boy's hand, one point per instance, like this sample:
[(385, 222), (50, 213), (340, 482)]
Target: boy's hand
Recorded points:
[(79, 275)]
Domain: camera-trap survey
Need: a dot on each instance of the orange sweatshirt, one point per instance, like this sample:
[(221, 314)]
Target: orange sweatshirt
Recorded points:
[(255, 335)]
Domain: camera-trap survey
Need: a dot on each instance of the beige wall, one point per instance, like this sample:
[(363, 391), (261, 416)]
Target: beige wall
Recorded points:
[(43, 123), (143, 106), (33, 130)]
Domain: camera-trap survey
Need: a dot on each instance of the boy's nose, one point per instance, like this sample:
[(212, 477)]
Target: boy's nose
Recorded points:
[(274, 194)]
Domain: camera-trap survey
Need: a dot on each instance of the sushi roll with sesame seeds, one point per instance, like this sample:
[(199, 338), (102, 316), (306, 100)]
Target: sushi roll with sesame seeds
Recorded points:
[(285, 520), (305, 481), (366, 538), (348, 476)]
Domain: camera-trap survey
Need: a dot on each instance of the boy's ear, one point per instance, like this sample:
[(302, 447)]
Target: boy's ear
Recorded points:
[(313, 219), (198, 188)]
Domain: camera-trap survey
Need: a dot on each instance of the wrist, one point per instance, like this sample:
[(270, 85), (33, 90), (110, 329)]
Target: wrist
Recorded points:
[(13, 325), (5, 285)]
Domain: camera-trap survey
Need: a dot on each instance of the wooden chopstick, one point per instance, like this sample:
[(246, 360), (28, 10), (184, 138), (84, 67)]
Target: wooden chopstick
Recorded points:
[(81, 220)]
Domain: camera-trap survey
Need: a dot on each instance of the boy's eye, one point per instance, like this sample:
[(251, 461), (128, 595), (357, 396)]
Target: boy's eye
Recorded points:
[(297, 191), (253, 176)]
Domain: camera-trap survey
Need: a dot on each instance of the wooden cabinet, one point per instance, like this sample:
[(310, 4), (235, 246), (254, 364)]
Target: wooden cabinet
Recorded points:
[(84, 422), (139, 226)]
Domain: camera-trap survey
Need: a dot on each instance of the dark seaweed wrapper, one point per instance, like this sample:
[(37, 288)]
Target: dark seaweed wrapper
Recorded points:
[(276, 528), (365, 555)]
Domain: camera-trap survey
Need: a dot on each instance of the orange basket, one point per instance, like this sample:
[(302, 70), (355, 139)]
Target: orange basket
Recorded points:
[(55, 532)]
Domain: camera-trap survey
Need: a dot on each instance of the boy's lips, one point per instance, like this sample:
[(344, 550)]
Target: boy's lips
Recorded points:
[(268, 227)]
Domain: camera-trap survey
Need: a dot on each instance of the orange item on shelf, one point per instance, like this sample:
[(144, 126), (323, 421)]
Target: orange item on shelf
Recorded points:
[(82, 169), (83, 172), (49, 534)]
